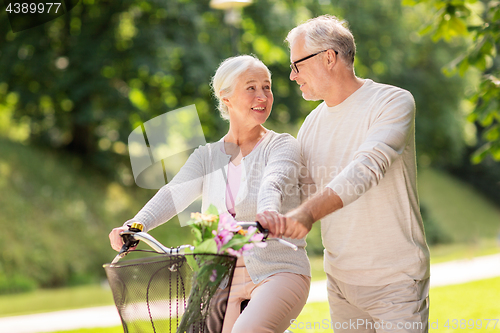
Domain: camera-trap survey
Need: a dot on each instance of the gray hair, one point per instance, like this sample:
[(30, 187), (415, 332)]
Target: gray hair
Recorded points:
[(323, 33), (225, 77)]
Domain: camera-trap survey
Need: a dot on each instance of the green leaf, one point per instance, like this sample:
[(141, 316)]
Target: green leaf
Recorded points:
[(192, 262), (207, 233), (197, 234), (212, 210), (457, 26), (493, 133), (495, 151), (496, 15), (236, 244), (426, 30), (472, 117), (441, 31), (409, 2), (480, 154), (208, 246), (462, 68)]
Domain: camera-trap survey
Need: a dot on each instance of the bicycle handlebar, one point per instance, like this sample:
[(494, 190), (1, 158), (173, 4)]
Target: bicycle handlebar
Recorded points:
[(136, 236)]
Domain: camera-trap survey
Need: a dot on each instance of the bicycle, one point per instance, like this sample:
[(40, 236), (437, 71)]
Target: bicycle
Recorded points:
[(155, 294)]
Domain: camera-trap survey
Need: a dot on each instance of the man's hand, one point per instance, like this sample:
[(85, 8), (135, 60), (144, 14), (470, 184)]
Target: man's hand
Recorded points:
[(298, 222), (295, 224)]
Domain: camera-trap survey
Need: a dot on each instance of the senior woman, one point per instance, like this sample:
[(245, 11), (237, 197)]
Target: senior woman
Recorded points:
[(249, 171)]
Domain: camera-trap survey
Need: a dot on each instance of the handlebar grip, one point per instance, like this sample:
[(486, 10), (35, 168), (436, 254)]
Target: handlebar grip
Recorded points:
[(255, 224), (128, 239)]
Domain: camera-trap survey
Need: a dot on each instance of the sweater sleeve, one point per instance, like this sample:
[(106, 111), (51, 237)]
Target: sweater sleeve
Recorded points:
[(306, 184), (175, 196), (386, 140), (280, 174)]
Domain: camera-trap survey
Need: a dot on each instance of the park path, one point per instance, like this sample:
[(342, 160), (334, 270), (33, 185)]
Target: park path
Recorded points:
[(448, 273)]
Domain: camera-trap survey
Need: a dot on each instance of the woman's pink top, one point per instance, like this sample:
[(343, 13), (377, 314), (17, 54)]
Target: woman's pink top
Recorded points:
[(234, 181)]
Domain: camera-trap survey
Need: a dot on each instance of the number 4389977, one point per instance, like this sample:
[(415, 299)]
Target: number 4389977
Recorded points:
[(40, 8)]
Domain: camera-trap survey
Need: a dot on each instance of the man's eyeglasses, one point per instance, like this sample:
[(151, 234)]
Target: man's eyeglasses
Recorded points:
[(293, 66)]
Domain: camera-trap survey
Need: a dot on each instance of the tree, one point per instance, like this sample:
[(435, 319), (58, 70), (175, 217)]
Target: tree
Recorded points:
[(83, 81), (390, 51), (479, 23), (86, 79)]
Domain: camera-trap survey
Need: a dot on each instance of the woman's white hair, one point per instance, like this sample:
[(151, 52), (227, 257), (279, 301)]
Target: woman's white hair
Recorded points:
[(323, 33), (224, 80)]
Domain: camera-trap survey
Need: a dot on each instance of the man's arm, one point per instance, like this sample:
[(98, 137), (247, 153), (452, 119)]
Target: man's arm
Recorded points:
[(298, 222), (385, 141)]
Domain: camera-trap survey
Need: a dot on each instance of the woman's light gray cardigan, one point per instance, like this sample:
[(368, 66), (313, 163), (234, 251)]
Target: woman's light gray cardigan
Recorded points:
[(269, 182)]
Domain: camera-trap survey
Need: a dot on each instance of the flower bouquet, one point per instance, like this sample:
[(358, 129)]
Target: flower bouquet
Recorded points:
[(222, 236)]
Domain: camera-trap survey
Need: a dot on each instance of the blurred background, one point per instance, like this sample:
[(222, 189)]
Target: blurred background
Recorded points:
[(73, 89)]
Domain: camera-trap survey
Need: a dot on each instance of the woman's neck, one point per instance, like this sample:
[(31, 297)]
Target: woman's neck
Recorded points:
[(240, 142), (244, 136)]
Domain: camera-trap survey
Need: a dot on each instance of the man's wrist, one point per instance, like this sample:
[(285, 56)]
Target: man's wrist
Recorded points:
[(323, 203), (303, 215)]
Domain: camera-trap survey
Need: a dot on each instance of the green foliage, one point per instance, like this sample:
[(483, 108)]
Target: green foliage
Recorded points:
[(485, 176), (390, 51), (56, 215), (16, 283), (83, 81), (479, 23)]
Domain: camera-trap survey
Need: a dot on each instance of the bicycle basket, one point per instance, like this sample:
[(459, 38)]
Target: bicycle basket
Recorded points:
[(172, 293)]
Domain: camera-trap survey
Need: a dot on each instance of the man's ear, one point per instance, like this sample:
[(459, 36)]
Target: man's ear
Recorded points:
[(331, 57)]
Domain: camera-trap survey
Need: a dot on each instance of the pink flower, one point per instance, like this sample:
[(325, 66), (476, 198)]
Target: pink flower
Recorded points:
[(257, 238), (213, 276), (222, 237), (234, 252), (227, 222)]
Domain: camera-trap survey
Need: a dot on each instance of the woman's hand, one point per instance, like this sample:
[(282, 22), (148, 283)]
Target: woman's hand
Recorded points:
[(115, 239), (274, 222)]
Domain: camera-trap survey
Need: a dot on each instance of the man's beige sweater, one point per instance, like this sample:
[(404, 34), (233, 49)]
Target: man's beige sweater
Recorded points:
[(364, 149)]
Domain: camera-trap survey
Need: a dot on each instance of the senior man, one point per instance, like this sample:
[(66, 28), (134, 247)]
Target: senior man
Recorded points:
[(358, 148)]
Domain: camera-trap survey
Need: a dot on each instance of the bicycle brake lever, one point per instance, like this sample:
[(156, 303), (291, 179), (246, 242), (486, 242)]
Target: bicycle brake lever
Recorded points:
[(284, 242), (266, 234)]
